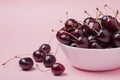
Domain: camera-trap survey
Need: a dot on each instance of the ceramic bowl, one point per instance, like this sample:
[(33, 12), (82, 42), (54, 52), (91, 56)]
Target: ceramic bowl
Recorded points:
[(92, 59)]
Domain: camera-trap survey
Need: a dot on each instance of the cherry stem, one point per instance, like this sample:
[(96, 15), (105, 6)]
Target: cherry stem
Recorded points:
[(110, 8), (95, 30), (117, 12), (92, 28), (40, 69), (51, 38), (66, 33), (100, 25), (10, 60), (87, 13), (66, 15), (71, 35), (56, 50), (97, 16), (61, 21), (99, 11), (92, 41), (105, 9)]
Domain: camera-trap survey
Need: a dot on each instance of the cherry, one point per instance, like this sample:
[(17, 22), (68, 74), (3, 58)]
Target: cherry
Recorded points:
[(71, 23), (45, 47), (57, 69), (91, 29), (116, 39), (94, 26), (110, 23), (95, 45), (103, 36), (82, 42), (78, 32), (26, 63), (91, 38), (88, 20), (68, 29), (63, 37), (73, 45), (49, 60), (106, 45), (39, 55)]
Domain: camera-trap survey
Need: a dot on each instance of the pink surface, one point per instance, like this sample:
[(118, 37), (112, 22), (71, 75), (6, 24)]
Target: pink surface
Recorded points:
[(26, 24)]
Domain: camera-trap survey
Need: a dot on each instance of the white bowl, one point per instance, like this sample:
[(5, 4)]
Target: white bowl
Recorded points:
[(92, 59)]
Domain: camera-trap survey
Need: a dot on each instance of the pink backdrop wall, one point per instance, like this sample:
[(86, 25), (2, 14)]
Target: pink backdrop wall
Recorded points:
[(26, 24)]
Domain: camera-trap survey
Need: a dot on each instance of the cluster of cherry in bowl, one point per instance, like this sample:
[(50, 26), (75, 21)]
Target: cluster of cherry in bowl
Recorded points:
[(41, 55), (93, 33)]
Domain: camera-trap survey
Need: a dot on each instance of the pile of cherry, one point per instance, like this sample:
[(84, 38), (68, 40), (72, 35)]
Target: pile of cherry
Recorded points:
[(93, 33), (41, 55)]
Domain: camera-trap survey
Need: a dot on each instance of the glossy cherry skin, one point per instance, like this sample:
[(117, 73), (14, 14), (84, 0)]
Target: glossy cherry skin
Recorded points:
[(91, 38), (116, 39), (68, 29), (91, 28), (94, 26), (103, 36), (88, 20), (45, 47), (49, 60), (95, 45), (71, 23), (82, 42), (39, 55), (63, 37), (105, 45), (73, 45), (110, 23), (57, 69), (87, 31), (26, 63), (78, 32)]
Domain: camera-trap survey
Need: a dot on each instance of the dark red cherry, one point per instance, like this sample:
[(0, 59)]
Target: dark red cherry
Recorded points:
[(110, 23), (78, 32), (49, 60), (82, 42), (105, 45), (45, 47), (63, 37), (94, 26), (57, 69), (88, 20), (39, 55), (91, 38), (103, 36), (116, 39), (68, 29), (73, 45), (91, 28), (71, 23), (87, 31), (95, 45), (26, 63), (111, 42)]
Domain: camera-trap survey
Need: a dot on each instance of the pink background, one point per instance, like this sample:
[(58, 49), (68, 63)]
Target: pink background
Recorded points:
[(26, 24)]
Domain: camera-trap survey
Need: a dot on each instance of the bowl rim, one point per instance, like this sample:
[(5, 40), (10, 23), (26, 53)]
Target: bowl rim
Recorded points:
[(86, 48)]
